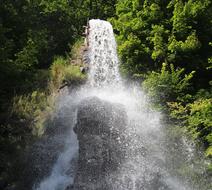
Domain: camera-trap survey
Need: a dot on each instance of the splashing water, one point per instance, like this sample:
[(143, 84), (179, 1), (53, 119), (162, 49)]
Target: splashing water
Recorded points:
[(145, 167), (63, 171)]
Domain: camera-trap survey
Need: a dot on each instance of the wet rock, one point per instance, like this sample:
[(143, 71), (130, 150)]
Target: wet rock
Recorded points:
[(100, 130)]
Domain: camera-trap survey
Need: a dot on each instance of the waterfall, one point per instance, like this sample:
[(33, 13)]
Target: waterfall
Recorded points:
[(103, 56), (144, 166)]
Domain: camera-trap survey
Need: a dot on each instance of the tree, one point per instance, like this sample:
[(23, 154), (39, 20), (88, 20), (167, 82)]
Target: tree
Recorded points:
[(156, 31)]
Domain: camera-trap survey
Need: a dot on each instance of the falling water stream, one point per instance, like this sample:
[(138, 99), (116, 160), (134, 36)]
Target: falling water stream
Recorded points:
[(146, 166)]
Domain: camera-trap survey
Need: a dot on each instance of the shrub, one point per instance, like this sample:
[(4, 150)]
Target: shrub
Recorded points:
[(33, 110), (76, 49), (57, 71), (61, 71), (200, 123), (196, 118), (167, 85)]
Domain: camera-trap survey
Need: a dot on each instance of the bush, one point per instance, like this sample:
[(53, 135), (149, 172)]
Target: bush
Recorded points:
[(169, 89), (61, 71), (167, 85), (76, 49), (33, 109), (57, 71), (196, 119)]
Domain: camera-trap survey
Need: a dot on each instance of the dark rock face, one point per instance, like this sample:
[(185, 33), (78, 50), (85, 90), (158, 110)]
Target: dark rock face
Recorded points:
[(100, 130)]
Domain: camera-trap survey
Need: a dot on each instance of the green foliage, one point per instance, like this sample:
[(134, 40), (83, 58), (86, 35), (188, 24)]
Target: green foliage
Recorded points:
[(73, 73), (199, 119), (76, 49), (57, 71), (169, 89), (153, 32), (196, 117), (33, 109), (27, 58), (61, 71), (158, 52), (140, 29), (97, 9), (168, 85)]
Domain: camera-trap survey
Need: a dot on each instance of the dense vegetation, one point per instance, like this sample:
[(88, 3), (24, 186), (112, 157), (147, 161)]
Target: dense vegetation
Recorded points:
[(168, 45), (165, 44)]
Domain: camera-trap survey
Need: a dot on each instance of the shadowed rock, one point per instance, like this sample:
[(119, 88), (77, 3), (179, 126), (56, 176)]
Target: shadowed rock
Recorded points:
[(100, 130)]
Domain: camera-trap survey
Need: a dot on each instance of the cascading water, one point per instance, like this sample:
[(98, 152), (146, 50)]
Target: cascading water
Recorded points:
[(144, 164), (103, 56)]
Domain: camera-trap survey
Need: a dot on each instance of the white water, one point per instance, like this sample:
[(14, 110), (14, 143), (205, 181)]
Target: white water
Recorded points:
[(103, 56), (63, 171), (104, 82)]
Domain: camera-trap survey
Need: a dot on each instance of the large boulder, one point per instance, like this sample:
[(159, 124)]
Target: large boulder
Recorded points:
[(111, 156), (100, 130)]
